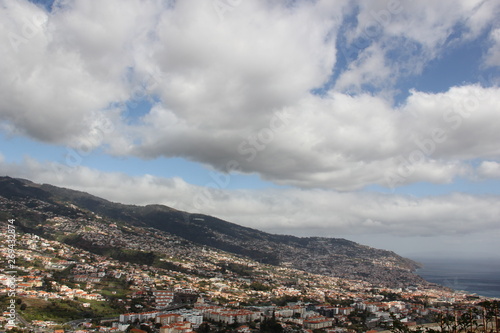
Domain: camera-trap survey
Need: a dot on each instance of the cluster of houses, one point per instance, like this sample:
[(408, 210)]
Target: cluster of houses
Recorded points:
[(180, 322), (26, 286), (201, 274), (309, 317)]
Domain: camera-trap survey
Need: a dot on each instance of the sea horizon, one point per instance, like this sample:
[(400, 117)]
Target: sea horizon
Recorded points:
[(475, 276)]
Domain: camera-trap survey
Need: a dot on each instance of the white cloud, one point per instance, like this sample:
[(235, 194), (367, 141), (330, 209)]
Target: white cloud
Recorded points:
[(431, 23), (51, 90), (394, 39), (489, 170), (369, 68), (493, 54), (235, 86), (344, 142), (358, 215), (86, 56), (218, 73)]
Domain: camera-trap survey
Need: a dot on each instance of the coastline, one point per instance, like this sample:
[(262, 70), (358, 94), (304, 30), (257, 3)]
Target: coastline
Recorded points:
[(479, 277)]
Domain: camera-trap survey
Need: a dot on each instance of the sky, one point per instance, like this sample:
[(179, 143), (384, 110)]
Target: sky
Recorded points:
[(376, 121)]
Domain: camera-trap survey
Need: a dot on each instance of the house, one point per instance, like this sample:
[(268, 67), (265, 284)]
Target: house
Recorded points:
[(317, 322), (169, 318), (163, 298), (243, 329), (126, 317), (183, 327), (345, 311)]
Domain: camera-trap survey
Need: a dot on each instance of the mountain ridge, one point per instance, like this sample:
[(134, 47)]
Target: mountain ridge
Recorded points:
[(320, 255)]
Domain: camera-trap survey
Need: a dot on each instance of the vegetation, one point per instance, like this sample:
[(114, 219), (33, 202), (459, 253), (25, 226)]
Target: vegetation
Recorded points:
[(66, 310), (270, 325), (242, 270), (55, 310), (259, 286), (122, 254), (358, 320), (457, 321), (285, 300)]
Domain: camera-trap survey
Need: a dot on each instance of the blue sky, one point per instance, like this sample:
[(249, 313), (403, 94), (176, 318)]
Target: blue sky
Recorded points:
[(371, 121)]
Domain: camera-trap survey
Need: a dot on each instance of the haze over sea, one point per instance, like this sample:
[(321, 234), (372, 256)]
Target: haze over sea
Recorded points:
[(479, 276)]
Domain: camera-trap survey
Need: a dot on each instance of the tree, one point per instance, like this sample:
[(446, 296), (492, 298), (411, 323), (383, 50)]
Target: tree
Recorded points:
[(203, 328), (146, 328), (398, 326), (446, 322), (466, 321), (271, 325), (491, 311)]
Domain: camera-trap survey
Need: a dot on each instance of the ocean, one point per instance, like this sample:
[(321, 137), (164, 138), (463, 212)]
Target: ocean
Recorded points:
[(481, 277)]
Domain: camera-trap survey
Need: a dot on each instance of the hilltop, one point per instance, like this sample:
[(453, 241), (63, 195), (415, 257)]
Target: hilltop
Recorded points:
[(78, 218)]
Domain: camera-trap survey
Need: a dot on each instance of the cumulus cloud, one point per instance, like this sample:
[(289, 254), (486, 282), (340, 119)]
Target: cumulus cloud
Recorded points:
[(46, 90), (344, 142), (489, 170), (394, 39), (217, 74), (369, 68), (232, 87)]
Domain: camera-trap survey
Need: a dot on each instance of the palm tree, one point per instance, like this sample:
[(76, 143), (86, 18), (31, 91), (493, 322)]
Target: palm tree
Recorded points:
[(491, 311), (446, 322), (466, 321)]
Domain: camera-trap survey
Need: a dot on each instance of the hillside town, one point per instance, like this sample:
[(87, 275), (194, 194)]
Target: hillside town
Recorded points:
[(159, 282)]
